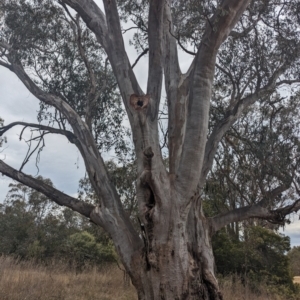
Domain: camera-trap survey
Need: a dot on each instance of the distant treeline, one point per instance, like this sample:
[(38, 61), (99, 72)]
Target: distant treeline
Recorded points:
[(33, 227)]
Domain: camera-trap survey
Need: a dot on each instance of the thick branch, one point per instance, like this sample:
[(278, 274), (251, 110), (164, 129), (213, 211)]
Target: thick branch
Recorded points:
[(276, 216), (93, 17), (233, 114), (108, 32), (70, 136), (55, 195), (259, 210), (176, 92), (202, 76), (117, 55), (155, 40)]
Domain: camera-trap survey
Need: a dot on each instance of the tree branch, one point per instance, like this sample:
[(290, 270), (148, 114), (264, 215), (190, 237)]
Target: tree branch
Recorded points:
[(176, 92), (55, 195), (117, 55), (276, 216), (93, 17), (201, 79), (155, 40), (233, 113), (139, 57), (108, 32), (70, 136)]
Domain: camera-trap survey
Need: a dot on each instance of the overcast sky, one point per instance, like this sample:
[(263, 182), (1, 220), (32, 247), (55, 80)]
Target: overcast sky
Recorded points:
[(60, 161)]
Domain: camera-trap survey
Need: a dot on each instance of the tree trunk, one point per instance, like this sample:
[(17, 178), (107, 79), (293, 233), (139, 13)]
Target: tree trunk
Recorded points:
[(177, 260)]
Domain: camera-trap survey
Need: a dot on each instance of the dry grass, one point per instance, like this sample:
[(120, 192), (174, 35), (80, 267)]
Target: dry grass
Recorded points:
[(28, 281), (235, 290)]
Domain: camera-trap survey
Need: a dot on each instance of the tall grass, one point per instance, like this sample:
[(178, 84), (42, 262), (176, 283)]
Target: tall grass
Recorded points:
[(21, 280), (29, 281), (233, 289)]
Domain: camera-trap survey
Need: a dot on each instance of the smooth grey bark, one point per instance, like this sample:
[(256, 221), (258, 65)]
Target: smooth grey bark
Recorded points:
[(173, 258), (60, 198)]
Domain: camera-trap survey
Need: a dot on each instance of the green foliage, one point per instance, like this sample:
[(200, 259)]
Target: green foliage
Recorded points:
[(294, 256), (258, 256), (83, 248), (32, 227)]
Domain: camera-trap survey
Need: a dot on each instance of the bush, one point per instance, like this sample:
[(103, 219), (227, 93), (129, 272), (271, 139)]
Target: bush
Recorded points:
[(83, 249)]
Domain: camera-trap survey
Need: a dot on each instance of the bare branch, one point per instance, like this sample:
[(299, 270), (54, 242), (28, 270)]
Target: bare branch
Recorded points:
[(55, 195), (139, 57), (181, 45), (70, 136), (29, 154)]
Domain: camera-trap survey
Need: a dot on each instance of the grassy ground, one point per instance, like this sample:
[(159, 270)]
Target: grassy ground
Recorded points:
[(28, 281)]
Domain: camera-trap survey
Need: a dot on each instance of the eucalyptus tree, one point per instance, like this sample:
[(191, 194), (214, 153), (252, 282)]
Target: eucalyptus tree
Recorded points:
[(258, 152), (244, 52)]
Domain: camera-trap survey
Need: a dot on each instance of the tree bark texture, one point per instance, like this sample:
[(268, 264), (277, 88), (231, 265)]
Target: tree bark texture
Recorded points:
[(176, 261)]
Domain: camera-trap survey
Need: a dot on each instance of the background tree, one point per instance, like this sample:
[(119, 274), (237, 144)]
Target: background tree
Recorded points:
[(259, 256), (294, 256), (244, 51), (34, 227)]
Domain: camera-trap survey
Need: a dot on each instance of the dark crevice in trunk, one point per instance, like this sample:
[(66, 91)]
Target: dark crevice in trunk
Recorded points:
[(149, 223)]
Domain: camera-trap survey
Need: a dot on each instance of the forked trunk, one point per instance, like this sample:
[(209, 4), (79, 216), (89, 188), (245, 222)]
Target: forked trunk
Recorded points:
[(177, 260)]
